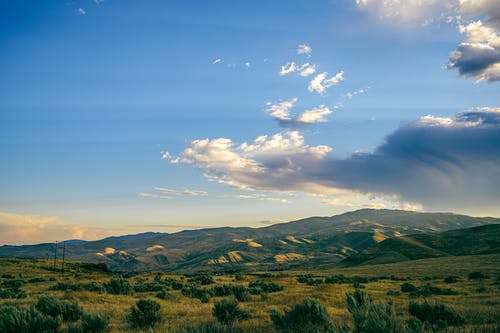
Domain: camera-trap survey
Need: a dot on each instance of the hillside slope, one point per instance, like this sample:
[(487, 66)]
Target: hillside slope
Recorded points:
[(303, 243), (470, 241)]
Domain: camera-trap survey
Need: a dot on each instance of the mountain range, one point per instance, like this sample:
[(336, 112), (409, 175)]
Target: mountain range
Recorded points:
[(360, 237)]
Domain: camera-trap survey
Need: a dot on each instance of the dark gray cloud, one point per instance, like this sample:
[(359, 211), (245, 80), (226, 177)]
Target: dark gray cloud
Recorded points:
[(441, 163), (478, 61)]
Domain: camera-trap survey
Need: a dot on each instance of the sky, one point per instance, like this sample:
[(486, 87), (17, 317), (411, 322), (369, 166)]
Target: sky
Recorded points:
[(120, 117)]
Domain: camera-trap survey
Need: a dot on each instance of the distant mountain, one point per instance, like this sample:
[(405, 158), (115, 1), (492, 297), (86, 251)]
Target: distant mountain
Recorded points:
[(478, 240), (310, 242)]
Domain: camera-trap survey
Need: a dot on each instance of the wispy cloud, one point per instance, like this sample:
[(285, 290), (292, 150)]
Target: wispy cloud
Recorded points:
[(261, 197), (282, 113), (351, 94), (303, 70), (187, 192), (167, 193), (321, 82), (304, 49)]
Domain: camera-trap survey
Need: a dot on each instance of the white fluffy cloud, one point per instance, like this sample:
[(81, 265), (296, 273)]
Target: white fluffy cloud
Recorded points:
[(281, 111), (478, 56), (267, 163), (320, 82)]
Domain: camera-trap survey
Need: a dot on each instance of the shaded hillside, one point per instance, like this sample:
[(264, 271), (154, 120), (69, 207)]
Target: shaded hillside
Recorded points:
[(470, 241), (303, 243)]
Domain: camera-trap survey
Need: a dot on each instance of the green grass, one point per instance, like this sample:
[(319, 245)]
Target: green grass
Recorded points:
[(477, 300)]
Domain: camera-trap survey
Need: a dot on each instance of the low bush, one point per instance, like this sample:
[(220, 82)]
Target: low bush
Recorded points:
[(477, 276), (209, 328), (66, 286), (241, 293), (163, 294), (391, 292), (227, 311), (408, 287), (95, 323), (451, 279), (310, 280), (145, 313), (51, 306), (259, 286), (201, 278), (308, 316), (12, 293), (370, 317), (437, 315), (148, 287), (36, 280), (119, 286), (18, 320)]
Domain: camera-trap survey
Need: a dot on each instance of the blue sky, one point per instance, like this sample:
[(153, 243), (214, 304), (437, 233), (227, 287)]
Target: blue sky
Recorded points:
[(92, 93)]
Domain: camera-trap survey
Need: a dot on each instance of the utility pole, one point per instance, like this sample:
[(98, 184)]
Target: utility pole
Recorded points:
[(64, 252), (55, 256)]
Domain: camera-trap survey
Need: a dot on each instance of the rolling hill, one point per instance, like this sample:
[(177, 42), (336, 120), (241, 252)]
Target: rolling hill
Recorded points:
[(310, 242), (471, 241)]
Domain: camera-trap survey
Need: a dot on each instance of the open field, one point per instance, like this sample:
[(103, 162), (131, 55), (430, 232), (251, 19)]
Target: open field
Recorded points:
[(477, 300)]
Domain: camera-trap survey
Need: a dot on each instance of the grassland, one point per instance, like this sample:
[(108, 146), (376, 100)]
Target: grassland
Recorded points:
[(477, 300)]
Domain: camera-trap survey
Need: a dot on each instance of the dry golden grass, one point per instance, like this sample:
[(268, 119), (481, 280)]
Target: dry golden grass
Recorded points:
[(178, 311)]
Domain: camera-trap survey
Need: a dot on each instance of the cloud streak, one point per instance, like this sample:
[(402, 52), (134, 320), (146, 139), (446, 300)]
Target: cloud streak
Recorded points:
[(167, 193)]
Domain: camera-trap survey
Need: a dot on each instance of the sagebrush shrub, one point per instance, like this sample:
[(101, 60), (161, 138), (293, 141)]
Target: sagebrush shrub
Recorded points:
[(51, 306), (308, 316), (438, 315), (227, 311), (95, 323), (370, 317), (145, 313), (18, 320), (119, 286)]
